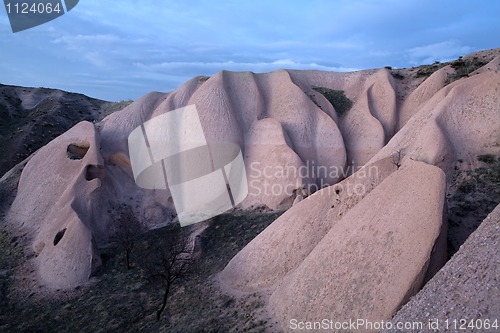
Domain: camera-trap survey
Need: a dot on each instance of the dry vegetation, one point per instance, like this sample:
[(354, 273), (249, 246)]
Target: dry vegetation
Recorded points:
[(337, 99), (472, 195), (121, 300), (23, 130)]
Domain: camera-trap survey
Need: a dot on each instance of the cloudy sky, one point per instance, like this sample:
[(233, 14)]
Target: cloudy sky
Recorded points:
[(116, 50)]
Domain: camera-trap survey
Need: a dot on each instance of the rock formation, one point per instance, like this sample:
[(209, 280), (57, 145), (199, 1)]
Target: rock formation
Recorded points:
[(306, 256), (376, 256), (381, 158), (467, 288)]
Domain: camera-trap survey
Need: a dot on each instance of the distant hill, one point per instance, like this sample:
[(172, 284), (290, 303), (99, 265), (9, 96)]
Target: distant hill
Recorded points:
[(32, 117)]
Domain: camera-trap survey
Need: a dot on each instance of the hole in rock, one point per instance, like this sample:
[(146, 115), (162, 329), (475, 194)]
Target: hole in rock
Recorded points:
[(77, 152), (59, 236), (93, 172)]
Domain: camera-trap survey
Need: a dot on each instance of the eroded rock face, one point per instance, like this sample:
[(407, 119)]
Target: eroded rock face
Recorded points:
[(65, 199), (370, 123), (467, 287), (268, 258), (68, 188), (375, 257), (268, 152), (422, 94), (269, 116), (322, 265), (54, 202)]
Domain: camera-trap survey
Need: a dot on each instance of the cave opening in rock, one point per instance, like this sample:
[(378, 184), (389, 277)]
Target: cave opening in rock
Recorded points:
[(59, 236), (77, 152), (93, 172)]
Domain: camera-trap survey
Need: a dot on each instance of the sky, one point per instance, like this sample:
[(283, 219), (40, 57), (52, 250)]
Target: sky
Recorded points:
[(119, 50)]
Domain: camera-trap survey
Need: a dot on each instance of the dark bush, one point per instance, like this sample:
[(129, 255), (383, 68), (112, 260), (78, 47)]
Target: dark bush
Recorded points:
[(486, 158), (464, 68), (466, 188), (428, 70), (397, 75), (337, 98)]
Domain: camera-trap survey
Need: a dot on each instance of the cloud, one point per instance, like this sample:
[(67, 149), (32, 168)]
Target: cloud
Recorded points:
[(210, 68), (444, 51), (158, 46), (79, 41), (95, 58), (100, 50)]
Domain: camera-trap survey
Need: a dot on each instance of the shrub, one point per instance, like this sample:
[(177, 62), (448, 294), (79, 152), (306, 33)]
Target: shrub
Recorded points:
[(464, 67), (486, 158), (397, 75), (428, 70), (466, 188), (337, 98)]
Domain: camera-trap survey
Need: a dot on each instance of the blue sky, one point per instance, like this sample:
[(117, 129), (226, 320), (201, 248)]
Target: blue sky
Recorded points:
[(116, 50)]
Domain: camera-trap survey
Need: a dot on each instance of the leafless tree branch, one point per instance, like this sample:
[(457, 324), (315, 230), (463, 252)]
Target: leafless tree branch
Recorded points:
[(169, 263), (127, 228)]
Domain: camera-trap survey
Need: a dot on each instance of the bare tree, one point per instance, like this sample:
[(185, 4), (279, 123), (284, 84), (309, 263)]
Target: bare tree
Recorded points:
[(127, 229), (169, 263)]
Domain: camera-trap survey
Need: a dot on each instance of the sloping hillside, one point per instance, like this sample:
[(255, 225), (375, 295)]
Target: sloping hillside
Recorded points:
[(32, 117)]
